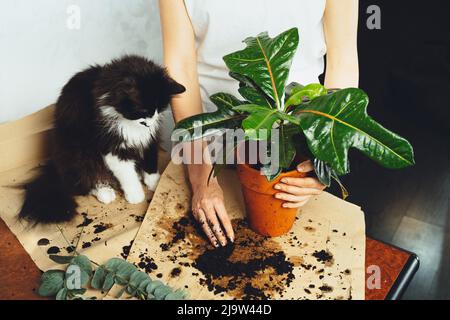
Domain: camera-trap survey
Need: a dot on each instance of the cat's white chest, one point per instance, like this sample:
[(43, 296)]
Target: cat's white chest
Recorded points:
[(135, 133)]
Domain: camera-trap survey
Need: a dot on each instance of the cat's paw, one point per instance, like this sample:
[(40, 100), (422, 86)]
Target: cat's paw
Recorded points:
[(151, 180), (104, 194), (134, 195)]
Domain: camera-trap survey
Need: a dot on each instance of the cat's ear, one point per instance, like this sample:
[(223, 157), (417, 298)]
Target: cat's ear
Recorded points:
[(175, 87)]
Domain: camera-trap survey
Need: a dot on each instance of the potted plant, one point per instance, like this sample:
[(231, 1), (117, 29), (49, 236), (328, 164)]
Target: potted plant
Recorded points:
[(330, 121)]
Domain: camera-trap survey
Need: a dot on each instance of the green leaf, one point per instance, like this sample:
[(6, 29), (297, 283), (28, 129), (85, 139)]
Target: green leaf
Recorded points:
[(310, 92), (161, 292), (84, 263), (286, 146), (336, 122), (258, 125), (144, 284), (99, 278), (136, 279), (78, 291), (113, 264), (121, 292), (109, 282), (198, 126), (177, 295), (61, 259), (62, 294), (323, 172), (266, 61), (153, 285), (52, 282), (250, 91), (124, 272)]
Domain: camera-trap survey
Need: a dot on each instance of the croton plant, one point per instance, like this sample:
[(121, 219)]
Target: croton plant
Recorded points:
[(332, 121)]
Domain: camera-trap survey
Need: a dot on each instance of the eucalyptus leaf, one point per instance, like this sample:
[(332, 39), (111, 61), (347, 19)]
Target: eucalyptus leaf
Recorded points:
[(62, 294), (124, 272), (153, 285), (84, 263), (161, 292), (61, 259), (121, 292), (177, 295), (113, 264), (52, 282), (78, 291), (136, 279), (109, 282), (99, 278)]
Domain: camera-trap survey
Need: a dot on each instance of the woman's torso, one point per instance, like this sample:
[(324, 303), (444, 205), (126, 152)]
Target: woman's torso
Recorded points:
[(220, 26)]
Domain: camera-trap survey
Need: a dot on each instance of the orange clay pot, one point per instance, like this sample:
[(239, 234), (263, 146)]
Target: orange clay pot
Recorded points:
[(264, 212)]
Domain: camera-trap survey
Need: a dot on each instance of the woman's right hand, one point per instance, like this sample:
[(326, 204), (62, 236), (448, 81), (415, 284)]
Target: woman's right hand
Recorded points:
[(209, 210)]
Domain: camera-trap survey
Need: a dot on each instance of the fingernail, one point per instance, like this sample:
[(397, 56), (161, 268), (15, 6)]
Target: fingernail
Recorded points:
[(277, 195), (300, 168), (284, 180), (277, 186)]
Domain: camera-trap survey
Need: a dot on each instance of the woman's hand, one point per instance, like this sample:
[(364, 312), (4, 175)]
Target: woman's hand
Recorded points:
[(209, 210), (297, 191)]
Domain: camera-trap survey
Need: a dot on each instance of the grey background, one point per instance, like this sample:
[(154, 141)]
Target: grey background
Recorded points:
[(39, 53)]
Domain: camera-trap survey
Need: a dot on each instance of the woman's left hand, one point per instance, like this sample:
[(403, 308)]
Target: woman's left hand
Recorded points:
[(297, 191)]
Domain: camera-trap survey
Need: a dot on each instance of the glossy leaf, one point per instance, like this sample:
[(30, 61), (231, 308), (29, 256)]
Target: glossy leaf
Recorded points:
[(310, 91), (198, 126), (259, 122), (286, 146), (336, 122), (266, 61), (251, 92)]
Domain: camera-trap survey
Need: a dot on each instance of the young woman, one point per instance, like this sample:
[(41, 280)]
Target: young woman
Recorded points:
[(198, 33)]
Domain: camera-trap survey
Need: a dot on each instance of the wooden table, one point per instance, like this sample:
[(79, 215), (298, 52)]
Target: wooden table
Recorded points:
[(19, 277)]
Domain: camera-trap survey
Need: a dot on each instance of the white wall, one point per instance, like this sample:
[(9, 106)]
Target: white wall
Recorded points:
[(39, 52)]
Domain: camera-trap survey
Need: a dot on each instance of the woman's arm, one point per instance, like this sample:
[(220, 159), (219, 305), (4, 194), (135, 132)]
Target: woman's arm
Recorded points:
[(341, 33), (180, 58), (341, 29)]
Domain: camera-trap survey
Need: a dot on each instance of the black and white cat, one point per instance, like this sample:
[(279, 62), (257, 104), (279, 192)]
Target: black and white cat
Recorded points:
[(105, 139)]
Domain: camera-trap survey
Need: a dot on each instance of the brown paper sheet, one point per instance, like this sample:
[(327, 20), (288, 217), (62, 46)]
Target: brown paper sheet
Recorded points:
[(322, 258), (106, 230), (326, 223)]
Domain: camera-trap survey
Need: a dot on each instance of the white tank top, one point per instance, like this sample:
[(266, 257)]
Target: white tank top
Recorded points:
[(220, 26)]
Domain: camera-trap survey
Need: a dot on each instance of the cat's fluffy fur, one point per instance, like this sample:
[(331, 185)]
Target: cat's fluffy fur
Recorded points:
[(105, 138)]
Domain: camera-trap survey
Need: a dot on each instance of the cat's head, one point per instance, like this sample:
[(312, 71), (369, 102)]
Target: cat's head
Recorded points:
[(136, 87)]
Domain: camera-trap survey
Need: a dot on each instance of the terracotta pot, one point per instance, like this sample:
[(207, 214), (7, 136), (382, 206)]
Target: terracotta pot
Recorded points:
[(264, 212)]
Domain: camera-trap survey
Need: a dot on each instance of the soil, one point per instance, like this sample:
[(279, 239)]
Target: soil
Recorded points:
[(254, 267), (53, 250), (101, 227), (43, 242)]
